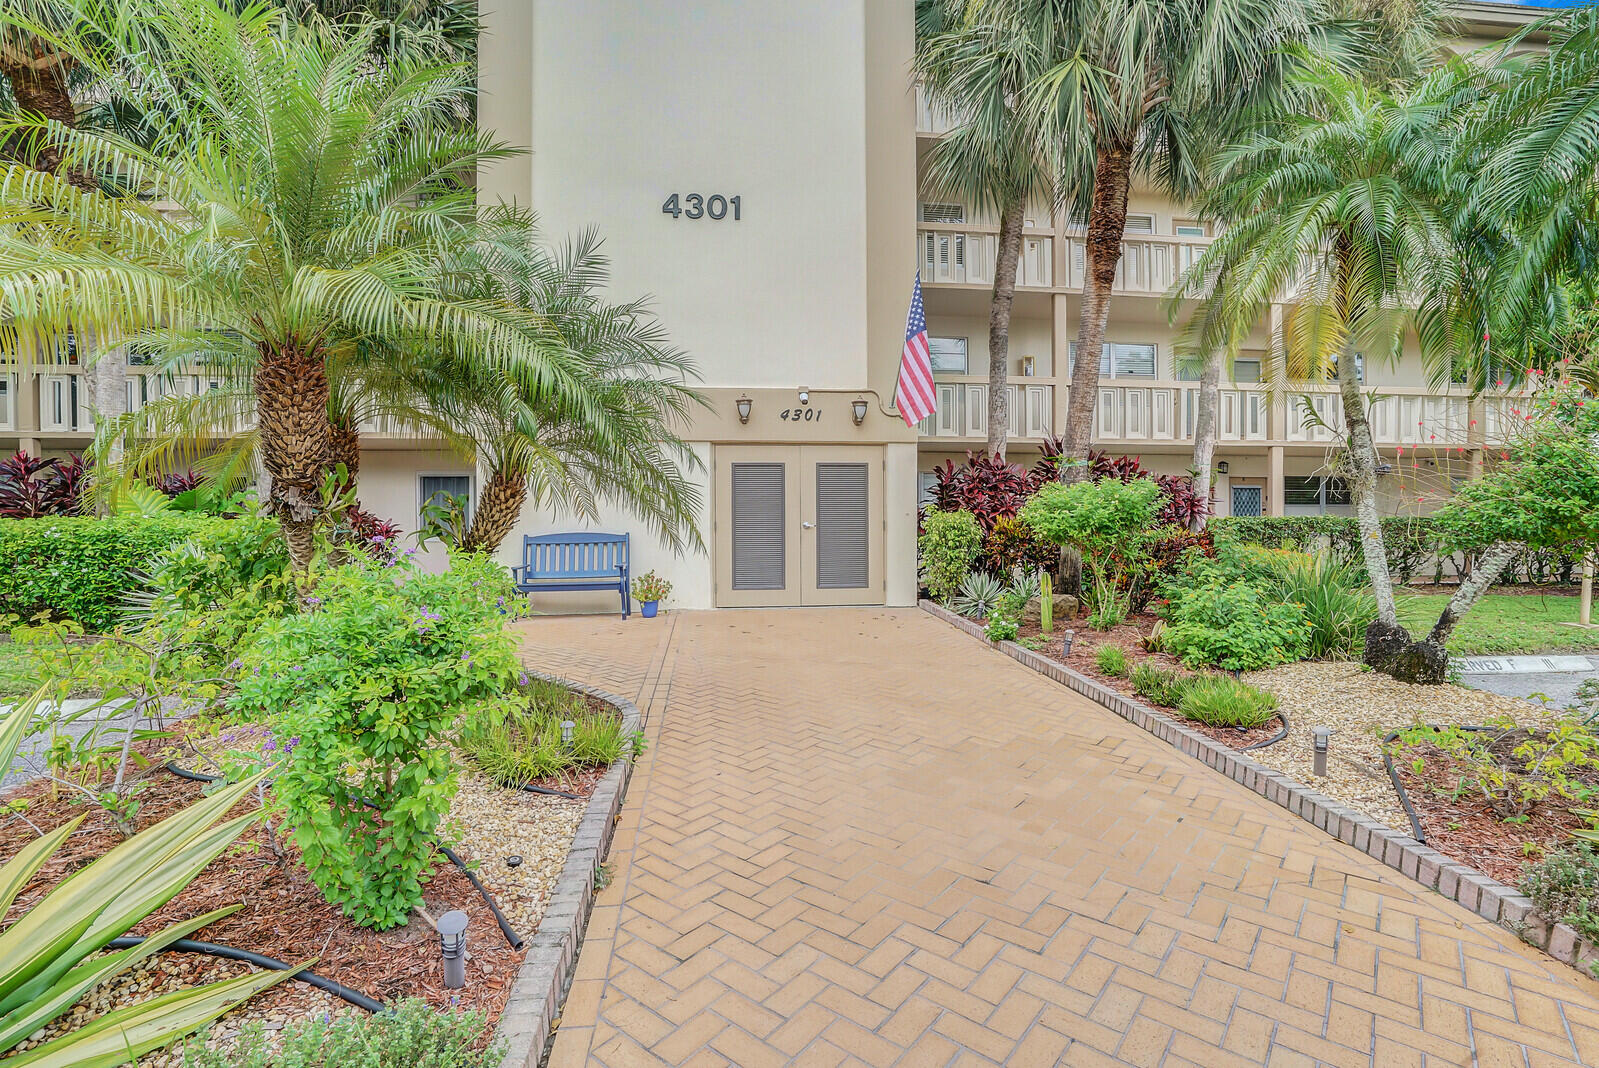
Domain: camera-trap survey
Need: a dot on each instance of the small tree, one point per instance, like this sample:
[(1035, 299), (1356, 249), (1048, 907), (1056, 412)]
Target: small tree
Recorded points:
[(1109, 523)]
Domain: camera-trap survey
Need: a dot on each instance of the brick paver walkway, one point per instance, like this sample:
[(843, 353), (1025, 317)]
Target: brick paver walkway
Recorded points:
[(859, 836)]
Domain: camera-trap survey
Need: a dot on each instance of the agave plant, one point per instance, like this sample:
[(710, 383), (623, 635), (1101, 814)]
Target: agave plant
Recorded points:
[(50, 957), (979, 595)]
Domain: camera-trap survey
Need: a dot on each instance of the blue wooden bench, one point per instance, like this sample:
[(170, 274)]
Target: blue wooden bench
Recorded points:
[(554, 562)]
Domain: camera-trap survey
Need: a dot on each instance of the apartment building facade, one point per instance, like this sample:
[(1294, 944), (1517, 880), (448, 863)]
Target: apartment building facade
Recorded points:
[(757, 170)]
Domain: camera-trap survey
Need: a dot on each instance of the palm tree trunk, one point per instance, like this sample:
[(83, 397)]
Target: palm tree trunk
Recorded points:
[(344, 447), (498, 509), (1107, 218), (38, 76), (291, 388), (999, 308), (1206, 422)]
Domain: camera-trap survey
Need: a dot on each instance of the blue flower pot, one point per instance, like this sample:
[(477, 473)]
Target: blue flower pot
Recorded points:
[(648, 608)]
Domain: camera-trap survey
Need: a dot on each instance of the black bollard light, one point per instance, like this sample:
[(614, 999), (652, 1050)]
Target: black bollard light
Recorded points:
[(452, 946)]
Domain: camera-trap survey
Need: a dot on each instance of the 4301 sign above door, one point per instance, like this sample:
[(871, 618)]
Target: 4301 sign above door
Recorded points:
[(699, 206)]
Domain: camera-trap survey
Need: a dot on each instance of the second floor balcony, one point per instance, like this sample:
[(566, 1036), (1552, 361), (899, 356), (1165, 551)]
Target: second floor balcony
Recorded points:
[(965, 254)]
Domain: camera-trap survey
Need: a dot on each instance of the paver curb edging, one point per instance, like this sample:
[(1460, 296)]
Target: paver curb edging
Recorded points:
[(546, 973), (1487, 897)]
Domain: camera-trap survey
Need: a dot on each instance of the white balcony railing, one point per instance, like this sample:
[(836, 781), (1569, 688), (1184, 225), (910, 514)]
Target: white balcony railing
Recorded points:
[(964, 254), (8, 401), (932, 119), (1150, 263), (963, 410)]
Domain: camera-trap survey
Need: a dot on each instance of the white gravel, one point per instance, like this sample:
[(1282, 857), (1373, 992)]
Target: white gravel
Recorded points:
[(1361, 707)]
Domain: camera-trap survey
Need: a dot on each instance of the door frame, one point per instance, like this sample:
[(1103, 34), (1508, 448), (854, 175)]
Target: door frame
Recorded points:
[(723, 458), (1246, 483), (872, 457)]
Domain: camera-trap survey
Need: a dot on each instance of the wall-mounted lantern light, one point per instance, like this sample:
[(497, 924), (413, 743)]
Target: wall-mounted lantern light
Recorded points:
[(1221, 467), (804, 395), (744, 404), (857, 409)]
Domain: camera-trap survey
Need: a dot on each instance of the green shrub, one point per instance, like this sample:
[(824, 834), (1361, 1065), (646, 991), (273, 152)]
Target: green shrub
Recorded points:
[(221, 588), (411, 1033), (1221, 701), (516, 738), (1112, 660), (1337, 601), (366, 685), (82, 567), (1558, 760), (1565, 887), (1158, 685), (1235, 626), (1110, 524), (948, 546)]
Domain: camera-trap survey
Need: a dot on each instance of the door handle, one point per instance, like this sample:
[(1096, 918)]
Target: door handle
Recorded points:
[(807, 526)]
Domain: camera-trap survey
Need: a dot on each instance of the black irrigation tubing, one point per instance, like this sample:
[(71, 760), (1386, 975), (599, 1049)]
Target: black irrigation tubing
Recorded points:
[(515, 940), (530, 788), (1273, 740), (211, 949), (1399, 786)]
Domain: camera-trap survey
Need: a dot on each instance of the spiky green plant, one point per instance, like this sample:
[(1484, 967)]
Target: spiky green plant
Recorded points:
[(51, 956)]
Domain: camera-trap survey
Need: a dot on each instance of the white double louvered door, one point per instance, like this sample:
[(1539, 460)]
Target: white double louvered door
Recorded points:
[(799, 525)]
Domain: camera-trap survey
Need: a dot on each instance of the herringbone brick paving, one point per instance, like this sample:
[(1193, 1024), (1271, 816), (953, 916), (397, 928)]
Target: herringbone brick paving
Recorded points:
[(860, 837)]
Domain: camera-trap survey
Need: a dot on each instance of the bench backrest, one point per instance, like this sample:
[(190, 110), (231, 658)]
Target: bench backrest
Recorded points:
[(573, 555)]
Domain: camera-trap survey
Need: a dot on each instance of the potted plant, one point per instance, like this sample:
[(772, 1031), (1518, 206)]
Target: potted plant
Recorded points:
[(649, 590)]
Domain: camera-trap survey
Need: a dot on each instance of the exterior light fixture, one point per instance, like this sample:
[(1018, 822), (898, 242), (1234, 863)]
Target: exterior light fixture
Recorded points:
[(1385, 469), (804, 395), (452, 947), (1323, 739), (743, 404), (1221, 467), (567, 726), (857, 409)]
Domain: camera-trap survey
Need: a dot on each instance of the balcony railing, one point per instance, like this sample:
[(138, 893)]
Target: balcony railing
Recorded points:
[(1136, 412), (966, 254), (963, 410)]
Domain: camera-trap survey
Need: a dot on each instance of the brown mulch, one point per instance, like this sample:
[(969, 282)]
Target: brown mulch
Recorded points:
[(1239, 737), (1086, 643), (285, 915), (1468, 830)]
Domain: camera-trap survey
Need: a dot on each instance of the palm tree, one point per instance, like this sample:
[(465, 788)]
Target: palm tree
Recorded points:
[(293, 194), (1350, 210), (1387, 45), (975, 67), (1137, 90)]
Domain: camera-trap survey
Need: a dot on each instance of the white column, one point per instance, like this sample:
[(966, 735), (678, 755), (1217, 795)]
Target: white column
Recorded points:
[(899, 521)]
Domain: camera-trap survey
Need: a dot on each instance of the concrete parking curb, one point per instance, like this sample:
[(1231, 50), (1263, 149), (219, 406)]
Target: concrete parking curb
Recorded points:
[(546, 973), (1487, 897)]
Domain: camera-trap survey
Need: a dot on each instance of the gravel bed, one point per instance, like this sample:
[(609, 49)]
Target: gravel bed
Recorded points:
[(1361, 707)]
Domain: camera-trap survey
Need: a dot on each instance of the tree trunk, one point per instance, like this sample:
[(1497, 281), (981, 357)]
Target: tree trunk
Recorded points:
[(1206, 420), (291, 390), (38, 77), (1385, 638), (1107, 218), (344, 446), (1010, 249), (1427, 661), (498, 509)]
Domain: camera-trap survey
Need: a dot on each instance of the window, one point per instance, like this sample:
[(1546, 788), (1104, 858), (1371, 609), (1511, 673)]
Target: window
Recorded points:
[(435, 488), (1246, 371), (1360, 369), (1139, 224), (5, 401), (941, 213), (1188, 228), (948, 355), (1315, 495), (926, 485), (1120, 361)]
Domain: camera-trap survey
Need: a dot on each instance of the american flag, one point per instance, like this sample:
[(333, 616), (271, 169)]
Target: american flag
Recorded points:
[(914, 395)]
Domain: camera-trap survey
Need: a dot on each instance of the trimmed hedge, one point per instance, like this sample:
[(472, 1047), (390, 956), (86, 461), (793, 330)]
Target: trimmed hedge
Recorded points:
[(81, 567), (1415, 546)]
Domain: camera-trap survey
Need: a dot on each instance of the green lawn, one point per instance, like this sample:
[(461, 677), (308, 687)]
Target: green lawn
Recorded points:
[(1503, 623)]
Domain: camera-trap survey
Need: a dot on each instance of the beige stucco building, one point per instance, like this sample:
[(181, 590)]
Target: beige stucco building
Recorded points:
[(788, 140)]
